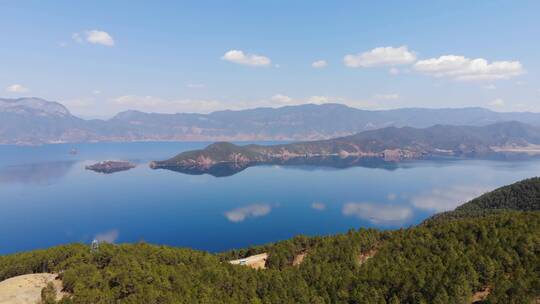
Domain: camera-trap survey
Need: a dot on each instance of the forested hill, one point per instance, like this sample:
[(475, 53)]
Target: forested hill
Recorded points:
[(489, 258), (523, 195)]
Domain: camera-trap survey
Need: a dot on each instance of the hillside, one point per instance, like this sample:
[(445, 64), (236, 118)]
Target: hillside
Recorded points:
[(523, 195), (37, 121), (493, 257), (389, 144)]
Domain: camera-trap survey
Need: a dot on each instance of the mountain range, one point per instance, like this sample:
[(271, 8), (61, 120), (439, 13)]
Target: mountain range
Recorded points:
[(31, 121)]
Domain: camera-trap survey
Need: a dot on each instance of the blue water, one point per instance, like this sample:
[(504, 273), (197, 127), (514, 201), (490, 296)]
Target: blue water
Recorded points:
[(48, 198)]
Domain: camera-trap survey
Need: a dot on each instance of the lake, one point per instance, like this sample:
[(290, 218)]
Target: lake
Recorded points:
[(47, 197)]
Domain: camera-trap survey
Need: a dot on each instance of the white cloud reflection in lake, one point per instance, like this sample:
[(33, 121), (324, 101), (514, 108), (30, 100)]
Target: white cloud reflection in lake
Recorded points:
[(249, 211), (445, 199), (377, 213)]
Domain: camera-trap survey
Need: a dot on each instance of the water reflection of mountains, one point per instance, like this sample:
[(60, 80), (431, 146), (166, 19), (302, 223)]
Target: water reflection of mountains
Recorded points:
[(311, 163), (38, 173), (336, 162)]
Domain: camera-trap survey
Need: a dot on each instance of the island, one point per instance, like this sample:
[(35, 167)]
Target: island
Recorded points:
[(383, 146), (111, 166)]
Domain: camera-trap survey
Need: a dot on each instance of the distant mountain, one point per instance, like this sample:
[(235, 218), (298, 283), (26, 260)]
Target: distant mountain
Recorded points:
[(37, 121), (33, 106), (389, 144), (34, 121)]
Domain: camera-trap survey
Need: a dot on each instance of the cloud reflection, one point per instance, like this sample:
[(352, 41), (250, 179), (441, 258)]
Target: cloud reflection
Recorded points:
[(108, 236), (40, 173), (391, 196), (377, 213), (447, 199), (242, 213), (318, 206)]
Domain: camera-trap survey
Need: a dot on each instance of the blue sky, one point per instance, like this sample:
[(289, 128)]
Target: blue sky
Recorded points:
[(102, 57)]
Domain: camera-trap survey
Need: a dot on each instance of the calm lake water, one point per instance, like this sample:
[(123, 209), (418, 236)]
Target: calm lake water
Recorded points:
[(48, 198)]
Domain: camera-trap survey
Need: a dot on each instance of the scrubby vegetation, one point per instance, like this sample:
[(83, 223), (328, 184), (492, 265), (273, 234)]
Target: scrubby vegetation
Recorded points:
[(444, 261)]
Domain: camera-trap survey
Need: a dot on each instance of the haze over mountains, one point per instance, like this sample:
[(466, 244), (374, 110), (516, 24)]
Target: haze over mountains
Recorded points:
[(30, 121)]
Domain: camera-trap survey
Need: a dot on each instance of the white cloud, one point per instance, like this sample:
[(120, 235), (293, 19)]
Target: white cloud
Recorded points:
[(281, 99), (319, 64), (381, 56), (448, 198), (138, 101), (96, 92), (463, 68), (489, 87), (377, 213), (77, 37), (17, 88), (318, 99), (391, 96), (160, 105), (238, 56), (394, 71), (240, 214), (318, 206), (99, 37), (94, 37), (108, 236), (195, 85), (499, 102), (284, 100)]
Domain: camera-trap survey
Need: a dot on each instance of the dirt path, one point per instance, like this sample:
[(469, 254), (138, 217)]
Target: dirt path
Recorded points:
[(299, 259), (26, 289), (480, 295), (364, 256)]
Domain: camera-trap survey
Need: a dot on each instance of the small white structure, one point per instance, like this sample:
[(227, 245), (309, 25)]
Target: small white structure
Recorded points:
[(257, 261), (95, 246)]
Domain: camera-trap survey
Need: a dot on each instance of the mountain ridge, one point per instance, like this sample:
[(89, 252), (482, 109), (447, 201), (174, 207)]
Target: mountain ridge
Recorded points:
[(32, 121)]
